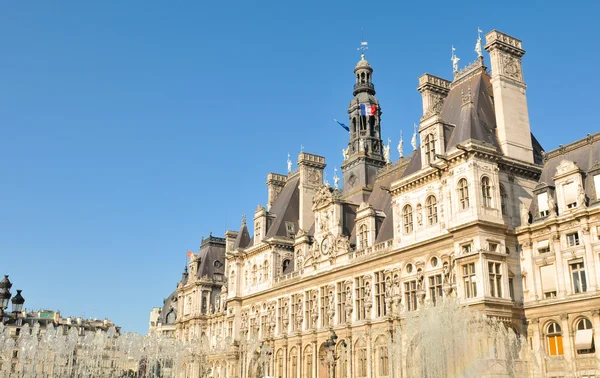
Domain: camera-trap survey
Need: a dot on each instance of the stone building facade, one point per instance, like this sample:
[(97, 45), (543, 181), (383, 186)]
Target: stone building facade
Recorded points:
[(477, 212)]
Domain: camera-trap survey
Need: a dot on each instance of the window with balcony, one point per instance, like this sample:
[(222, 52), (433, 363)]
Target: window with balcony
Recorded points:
[(463, 194), (469, 280), (578, 277), (495, 276)]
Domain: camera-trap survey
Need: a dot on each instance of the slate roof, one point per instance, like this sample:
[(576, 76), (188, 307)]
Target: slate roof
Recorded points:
[(169, 304), (585, 153), (285, 209), (211, 257)]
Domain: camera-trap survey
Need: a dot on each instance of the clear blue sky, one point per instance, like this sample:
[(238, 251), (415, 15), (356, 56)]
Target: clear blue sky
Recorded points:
[(130, 129)]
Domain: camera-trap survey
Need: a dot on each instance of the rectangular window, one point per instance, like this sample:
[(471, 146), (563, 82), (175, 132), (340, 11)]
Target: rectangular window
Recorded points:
[(324, 308), (341, 302), (410, 293), (578, 276), (264, 326), (359, 298), (295, 299), (548, 276), (542, 199), (469, 280), (280, 316), (543, 246), (495, 275), (380, 294), (309, 301), (572, 239), (466, 248), (493, 247), (511, 288), (230, 328), (435, 288), (570, 195)]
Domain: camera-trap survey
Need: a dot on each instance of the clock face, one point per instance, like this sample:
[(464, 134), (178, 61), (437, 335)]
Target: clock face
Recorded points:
[(325, 246)]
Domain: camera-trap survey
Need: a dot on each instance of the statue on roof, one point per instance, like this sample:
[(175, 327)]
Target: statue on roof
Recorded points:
[(386, 152), (401, 146), (413, 141), (346, 152), (478, 49), (454, 60), (336, 179), (289, 164)]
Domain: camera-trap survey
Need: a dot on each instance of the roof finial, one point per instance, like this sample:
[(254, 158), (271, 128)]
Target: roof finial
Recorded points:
[(478, 49), (243, 219), (325, 182), (301, 148), (401, 146), (454, 60), (413, 141)]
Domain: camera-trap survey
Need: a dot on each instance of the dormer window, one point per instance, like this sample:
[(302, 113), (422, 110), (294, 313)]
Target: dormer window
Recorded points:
[(542, 199), (570, 195), (290, 229), (363, 235), (429, 145)]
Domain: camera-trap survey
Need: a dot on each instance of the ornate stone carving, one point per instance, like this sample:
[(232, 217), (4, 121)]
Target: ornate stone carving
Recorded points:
[(581, 198), (323, 197), (511, 67), (524, 215)]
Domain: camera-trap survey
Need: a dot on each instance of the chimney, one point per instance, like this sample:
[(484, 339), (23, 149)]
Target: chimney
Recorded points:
[(311, 178), (275, 183), (433, 90), (510, 101)]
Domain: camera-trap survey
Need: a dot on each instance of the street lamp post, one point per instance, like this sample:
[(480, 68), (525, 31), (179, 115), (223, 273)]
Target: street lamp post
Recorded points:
[(332, 357), (5, 295)]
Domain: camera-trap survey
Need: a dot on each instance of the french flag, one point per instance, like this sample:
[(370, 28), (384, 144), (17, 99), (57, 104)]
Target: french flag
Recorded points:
[(368, 110)]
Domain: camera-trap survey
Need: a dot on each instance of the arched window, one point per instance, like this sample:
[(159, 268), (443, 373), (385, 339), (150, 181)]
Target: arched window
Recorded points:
[(554, 339), (266, 270), (486, 191), (429, 148), (363, 236), (361, 359), (584, 337), (285, 265), (293, 364), (382, 367), (353, 124), (362, 77), (431, 204), (503, 197), (408, 219), (463, 194), (308, 362), (171, 317)]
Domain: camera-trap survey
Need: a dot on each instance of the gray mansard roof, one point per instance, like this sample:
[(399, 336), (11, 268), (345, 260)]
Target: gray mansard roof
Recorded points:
[(211, 257), (285, 209)]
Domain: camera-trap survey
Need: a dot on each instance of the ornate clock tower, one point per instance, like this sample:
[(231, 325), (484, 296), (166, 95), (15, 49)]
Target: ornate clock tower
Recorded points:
[(364, 155)]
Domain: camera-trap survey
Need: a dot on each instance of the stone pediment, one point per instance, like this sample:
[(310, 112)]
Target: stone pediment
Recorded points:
[(324, 197), (565, 168)]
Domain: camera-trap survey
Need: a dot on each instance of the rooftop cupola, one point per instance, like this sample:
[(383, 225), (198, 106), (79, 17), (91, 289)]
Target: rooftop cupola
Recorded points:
[(364, 77)]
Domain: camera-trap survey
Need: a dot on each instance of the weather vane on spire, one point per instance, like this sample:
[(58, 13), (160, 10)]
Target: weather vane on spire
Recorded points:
[(454, 60), (478, 49), (364, 46)]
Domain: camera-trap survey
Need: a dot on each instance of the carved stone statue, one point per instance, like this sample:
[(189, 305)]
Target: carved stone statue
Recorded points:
[(367, 291), (348, 296), (581, 200), (446, 270), (289, 164), (551, 205), (386, 152), (331, 299), (361, 145), (346, 152), (524, 215), (420, 279), (388, 287)]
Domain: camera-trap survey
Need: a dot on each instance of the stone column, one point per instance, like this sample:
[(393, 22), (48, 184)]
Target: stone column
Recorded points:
[(285, 360), (589, 259), (560, 276), (299, 363), (566, 336), (315, 358)]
